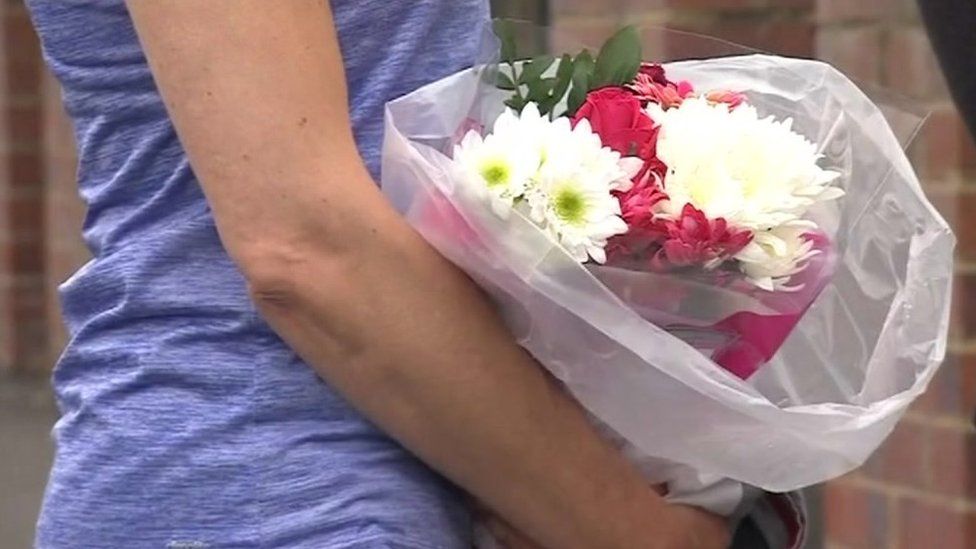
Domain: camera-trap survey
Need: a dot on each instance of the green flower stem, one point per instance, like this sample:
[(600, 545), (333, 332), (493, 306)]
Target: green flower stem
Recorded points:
[(515, 79)]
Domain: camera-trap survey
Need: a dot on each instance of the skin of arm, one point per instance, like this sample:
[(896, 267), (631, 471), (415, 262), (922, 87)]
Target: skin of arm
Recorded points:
[(256, 91)]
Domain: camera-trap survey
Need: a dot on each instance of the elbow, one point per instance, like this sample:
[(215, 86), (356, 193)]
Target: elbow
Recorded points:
[(278, 272), (313, 297), (311, 271), (270, 286), (270, 269)]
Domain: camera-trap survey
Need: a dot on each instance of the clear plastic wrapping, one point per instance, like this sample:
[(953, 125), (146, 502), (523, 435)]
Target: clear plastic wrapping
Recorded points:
[(864, 338)]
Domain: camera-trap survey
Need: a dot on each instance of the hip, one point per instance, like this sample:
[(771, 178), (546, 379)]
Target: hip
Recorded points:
[(236, 449)]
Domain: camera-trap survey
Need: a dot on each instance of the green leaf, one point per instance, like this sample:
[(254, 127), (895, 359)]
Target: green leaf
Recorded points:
[(564, 75), (504, 82), (533, 69), (583, 68), (505, 32), (516, 103), (539, 89), (619, 59)]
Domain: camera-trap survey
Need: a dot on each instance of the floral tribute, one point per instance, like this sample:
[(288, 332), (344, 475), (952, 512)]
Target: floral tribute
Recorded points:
[(643, 172)]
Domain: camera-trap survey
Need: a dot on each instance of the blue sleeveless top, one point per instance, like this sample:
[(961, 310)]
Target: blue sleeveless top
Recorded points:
[(186, 422)]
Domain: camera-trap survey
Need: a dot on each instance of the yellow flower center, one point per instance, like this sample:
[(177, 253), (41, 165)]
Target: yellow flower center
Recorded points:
[(569, 205), (495, 173)]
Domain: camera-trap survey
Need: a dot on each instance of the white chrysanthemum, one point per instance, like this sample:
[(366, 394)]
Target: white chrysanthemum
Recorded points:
[(497, 166), (565, 174), (774, 256), (528, 128), (568, 149), (578, 210), (755, 172)]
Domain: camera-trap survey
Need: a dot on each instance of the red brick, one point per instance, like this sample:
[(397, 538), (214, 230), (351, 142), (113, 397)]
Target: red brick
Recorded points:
[(28, 308), (854, 50), (725, 5), (910, 64), (785, 37), (26, 169), (964, 306), (559, 8), (855, 517), (23, 76), (953, 462), (800, 4), (528, 11), (24, 124), (902, 459), (939, 137), (927, 524), (953, 390), (904, 10), (956, 204), (950, 141), (26, 213), (947, 200), (837, 11), (636, 7), (944, 146), (767, 7), (967, 156), (65, 250), (18, 33), (573, 37), (603, 9), (692, 45), (27, 283), (27, 258), (964, 224)]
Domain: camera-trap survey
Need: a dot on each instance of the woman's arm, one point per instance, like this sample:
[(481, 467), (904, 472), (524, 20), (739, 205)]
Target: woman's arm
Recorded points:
[(257, 93)]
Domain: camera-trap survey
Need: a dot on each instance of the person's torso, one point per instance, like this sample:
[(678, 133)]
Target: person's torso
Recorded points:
[(185, 418)]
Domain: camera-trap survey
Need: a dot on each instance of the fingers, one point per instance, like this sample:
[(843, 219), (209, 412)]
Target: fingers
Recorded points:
[(706, 531)]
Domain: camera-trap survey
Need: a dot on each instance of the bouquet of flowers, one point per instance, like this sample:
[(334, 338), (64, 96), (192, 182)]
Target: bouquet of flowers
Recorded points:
[(650, 176), (728, 262)]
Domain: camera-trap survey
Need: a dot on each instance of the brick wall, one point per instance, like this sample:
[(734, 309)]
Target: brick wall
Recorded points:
[(23, 328), (784, 26), (40, 213), (64, 251), (7, 335), (918, 492)]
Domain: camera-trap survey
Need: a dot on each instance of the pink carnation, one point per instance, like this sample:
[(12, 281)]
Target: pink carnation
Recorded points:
[(692, 240), (655, 72), (637, 203), (637, 210), (652, 86), (733, 99)]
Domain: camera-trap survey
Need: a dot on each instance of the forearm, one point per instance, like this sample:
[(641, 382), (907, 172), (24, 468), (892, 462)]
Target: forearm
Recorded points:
[(424, 355), (257, 95)]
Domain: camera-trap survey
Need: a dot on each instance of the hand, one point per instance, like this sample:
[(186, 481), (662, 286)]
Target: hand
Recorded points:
[(695, 529), (699, 529)]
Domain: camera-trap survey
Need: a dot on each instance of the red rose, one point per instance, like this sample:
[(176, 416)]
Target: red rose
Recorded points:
[(620, 121)]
